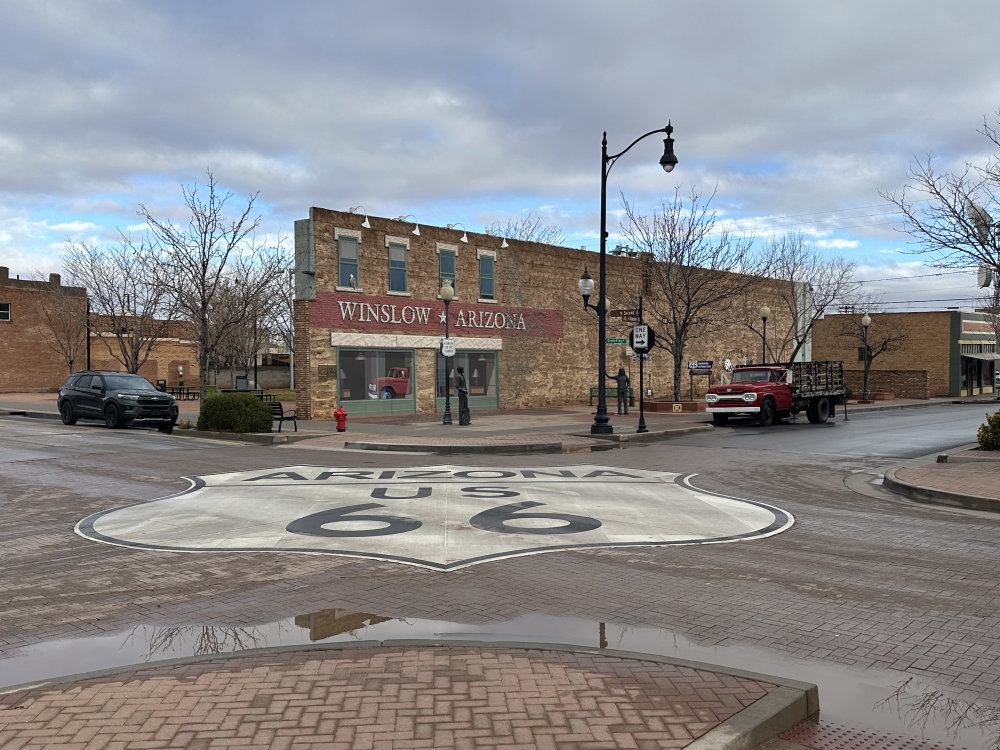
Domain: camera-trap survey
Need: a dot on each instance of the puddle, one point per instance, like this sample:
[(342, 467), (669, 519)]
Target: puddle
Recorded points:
[(858, 698)]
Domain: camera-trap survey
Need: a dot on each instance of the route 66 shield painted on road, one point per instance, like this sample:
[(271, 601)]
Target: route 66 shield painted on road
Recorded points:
[(439, 517)]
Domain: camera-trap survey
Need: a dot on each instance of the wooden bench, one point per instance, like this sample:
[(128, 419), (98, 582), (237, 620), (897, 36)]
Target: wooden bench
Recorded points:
[(611, 395), (280, 416)]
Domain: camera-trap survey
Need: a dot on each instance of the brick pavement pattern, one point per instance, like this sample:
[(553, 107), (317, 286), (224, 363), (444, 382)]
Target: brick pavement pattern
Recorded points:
[(383, 697), (978, 479)]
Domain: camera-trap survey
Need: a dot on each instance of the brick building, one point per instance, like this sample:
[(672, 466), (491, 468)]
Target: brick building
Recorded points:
[(43, 337), (367, 306), (945, 353), (33, 357)]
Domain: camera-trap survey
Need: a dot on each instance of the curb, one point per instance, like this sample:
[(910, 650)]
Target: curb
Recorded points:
[(371, 445), (791, 703), (937, 497)]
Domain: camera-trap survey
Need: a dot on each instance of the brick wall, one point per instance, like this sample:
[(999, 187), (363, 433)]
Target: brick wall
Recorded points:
[(901, 383), (28, 361)]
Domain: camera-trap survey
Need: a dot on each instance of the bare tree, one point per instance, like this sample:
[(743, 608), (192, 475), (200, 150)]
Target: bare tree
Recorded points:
[(129, 296), (813, 284), (216, 249), (528, 227), (64, 318), (948, 213), (884, 333), (695, 269)]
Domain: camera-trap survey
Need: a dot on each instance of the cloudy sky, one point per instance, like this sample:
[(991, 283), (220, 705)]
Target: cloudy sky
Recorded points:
[(798, 112)]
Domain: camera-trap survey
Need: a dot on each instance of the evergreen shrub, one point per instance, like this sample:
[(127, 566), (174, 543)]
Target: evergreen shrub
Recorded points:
[(989, 433), (235, 412)]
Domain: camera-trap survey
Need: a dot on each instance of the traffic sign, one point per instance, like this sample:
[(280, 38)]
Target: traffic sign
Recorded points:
[(642, 338), (700, 364), (447, 347), (624, 313), (615, 341)]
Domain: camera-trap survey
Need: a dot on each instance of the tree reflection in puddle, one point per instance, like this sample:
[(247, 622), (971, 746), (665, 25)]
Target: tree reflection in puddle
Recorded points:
[(922, 707)]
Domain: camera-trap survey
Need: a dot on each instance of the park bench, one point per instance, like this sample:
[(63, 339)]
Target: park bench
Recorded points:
[(280, 416), (611, 394)]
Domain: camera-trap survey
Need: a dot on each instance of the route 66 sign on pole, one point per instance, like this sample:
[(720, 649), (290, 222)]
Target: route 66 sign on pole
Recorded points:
[(447, 347)]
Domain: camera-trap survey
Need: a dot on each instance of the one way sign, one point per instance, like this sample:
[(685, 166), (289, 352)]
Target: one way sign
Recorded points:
[(641, 338)]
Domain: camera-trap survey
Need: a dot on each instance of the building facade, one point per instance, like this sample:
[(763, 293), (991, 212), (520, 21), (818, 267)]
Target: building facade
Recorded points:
[(369, 320), (940, 353), (42, 332)]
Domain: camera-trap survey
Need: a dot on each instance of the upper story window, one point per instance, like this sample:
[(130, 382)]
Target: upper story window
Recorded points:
[(447, 265), (398, 248), (348, 242), (4, 311), (487, 273)]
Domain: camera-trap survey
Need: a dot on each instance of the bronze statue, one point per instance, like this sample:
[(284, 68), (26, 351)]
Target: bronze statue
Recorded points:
[(623, 383), (463, 398)]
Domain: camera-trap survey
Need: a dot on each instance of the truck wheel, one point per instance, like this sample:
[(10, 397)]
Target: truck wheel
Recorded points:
[(766, 416), (818, 411), (720, 420), (386, 393)]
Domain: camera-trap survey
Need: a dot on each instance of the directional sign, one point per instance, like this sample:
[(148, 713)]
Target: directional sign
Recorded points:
[(702, 364), (640, 337), (615, 341)]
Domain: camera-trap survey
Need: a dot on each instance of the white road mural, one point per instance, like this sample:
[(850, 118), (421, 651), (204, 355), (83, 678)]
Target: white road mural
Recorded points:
[(439, 517)]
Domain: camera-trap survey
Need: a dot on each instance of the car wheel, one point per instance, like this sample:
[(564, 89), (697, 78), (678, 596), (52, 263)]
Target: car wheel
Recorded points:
[(766, 416), (386, 393), (113, 416), (66, 412), (720, 420)]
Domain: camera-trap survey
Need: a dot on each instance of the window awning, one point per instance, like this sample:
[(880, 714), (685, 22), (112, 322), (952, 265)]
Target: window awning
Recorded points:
[(982, 355)]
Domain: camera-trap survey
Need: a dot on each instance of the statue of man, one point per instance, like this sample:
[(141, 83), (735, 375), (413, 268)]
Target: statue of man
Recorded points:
[(463, 397), (623, 383)]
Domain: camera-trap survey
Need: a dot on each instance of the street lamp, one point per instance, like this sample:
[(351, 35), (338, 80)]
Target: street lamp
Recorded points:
[(447, 294), (866, 321), (668, 161), (765, 313)]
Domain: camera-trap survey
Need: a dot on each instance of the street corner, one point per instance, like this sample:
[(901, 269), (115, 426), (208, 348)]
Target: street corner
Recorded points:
[(440, 517)]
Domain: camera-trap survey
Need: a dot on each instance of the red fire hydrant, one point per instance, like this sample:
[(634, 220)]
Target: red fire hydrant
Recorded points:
[(341, 416)]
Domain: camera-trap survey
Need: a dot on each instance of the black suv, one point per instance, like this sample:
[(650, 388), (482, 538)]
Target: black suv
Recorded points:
[(119, 398)]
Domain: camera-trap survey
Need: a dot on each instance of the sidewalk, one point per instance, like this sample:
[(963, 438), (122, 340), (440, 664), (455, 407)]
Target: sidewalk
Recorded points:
[(396, 694)]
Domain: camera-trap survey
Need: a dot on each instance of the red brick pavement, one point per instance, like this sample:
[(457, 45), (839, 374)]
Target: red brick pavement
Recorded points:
[(373, 698), (978, 478)]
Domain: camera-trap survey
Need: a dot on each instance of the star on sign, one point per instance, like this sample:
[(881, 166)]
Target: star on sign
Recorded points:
[(441, 318)]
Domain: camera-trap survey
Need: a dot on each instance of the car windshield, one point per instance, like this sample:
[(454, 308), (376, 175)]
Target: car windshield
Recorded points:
[(751, 376), (128, 383)]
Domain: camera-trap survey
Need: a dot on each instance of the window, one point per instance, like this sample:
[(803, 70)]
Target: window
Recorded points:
[(486, 270), (446, 268), (861, 354), (4, 310), (347, 252), (397, 267), (374, 374), (480, 373)]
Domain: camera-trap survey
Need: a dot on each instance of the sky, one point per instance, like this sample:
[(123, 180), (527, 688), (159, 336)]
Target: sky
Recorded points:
[(794, 113)]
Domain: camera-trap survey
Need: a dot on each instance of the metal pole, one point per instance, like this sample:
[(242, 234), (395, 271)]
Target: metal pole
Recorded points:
[(88, 333), (865, 394), (601, 424), (763, 343), (642, 392), (447, 368)]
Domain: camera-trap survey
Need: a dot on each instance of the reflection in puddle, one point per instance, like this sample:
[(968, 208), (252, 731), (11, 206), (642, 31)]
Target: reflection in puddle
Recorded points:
[(859, 698)]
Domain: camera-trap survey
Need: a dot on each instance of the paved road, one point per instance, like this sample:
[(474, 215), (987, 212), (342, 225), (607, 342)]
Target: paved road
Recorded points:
[(861, 593)]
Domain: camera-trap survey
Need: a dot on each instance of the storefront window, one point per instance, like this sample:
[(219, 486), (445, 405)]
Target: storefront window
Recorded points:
[(375, 374), (480, 373)]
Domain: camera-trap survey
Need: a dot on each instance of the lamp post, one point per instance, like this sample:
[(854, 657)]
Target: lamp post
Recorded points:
[(765, 313), (668, 161), (865, 322), (447, 294)]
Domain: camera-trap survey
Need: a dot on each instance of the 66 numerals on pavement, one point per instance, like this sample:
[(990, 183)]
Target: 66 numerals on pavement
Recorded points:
[(497, 520)]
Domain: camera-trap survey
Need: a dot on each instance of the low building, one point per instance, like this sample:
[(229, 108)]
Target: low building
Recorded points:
[(939, 353), (42, 332), (369, 320)]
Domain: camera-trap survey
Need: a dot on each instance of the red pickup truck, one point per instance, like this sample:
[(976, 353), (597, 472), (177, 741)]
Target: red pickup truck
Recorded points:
[(395, 384), (772, 392)]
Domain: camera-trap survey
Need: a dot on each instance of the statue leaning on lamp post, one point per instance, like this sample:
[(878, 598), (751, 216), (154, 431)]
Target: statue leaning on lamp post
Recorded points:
[(463, 398)]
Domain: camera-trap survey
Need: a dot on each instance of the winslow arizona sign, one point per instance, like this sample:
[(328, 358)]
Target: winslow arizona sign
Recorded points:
[(438, 517)]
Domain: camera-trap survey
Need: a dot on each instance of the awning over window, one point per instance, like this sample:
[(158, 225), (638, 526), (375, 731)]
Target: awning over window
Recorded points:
[(982, 355)]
